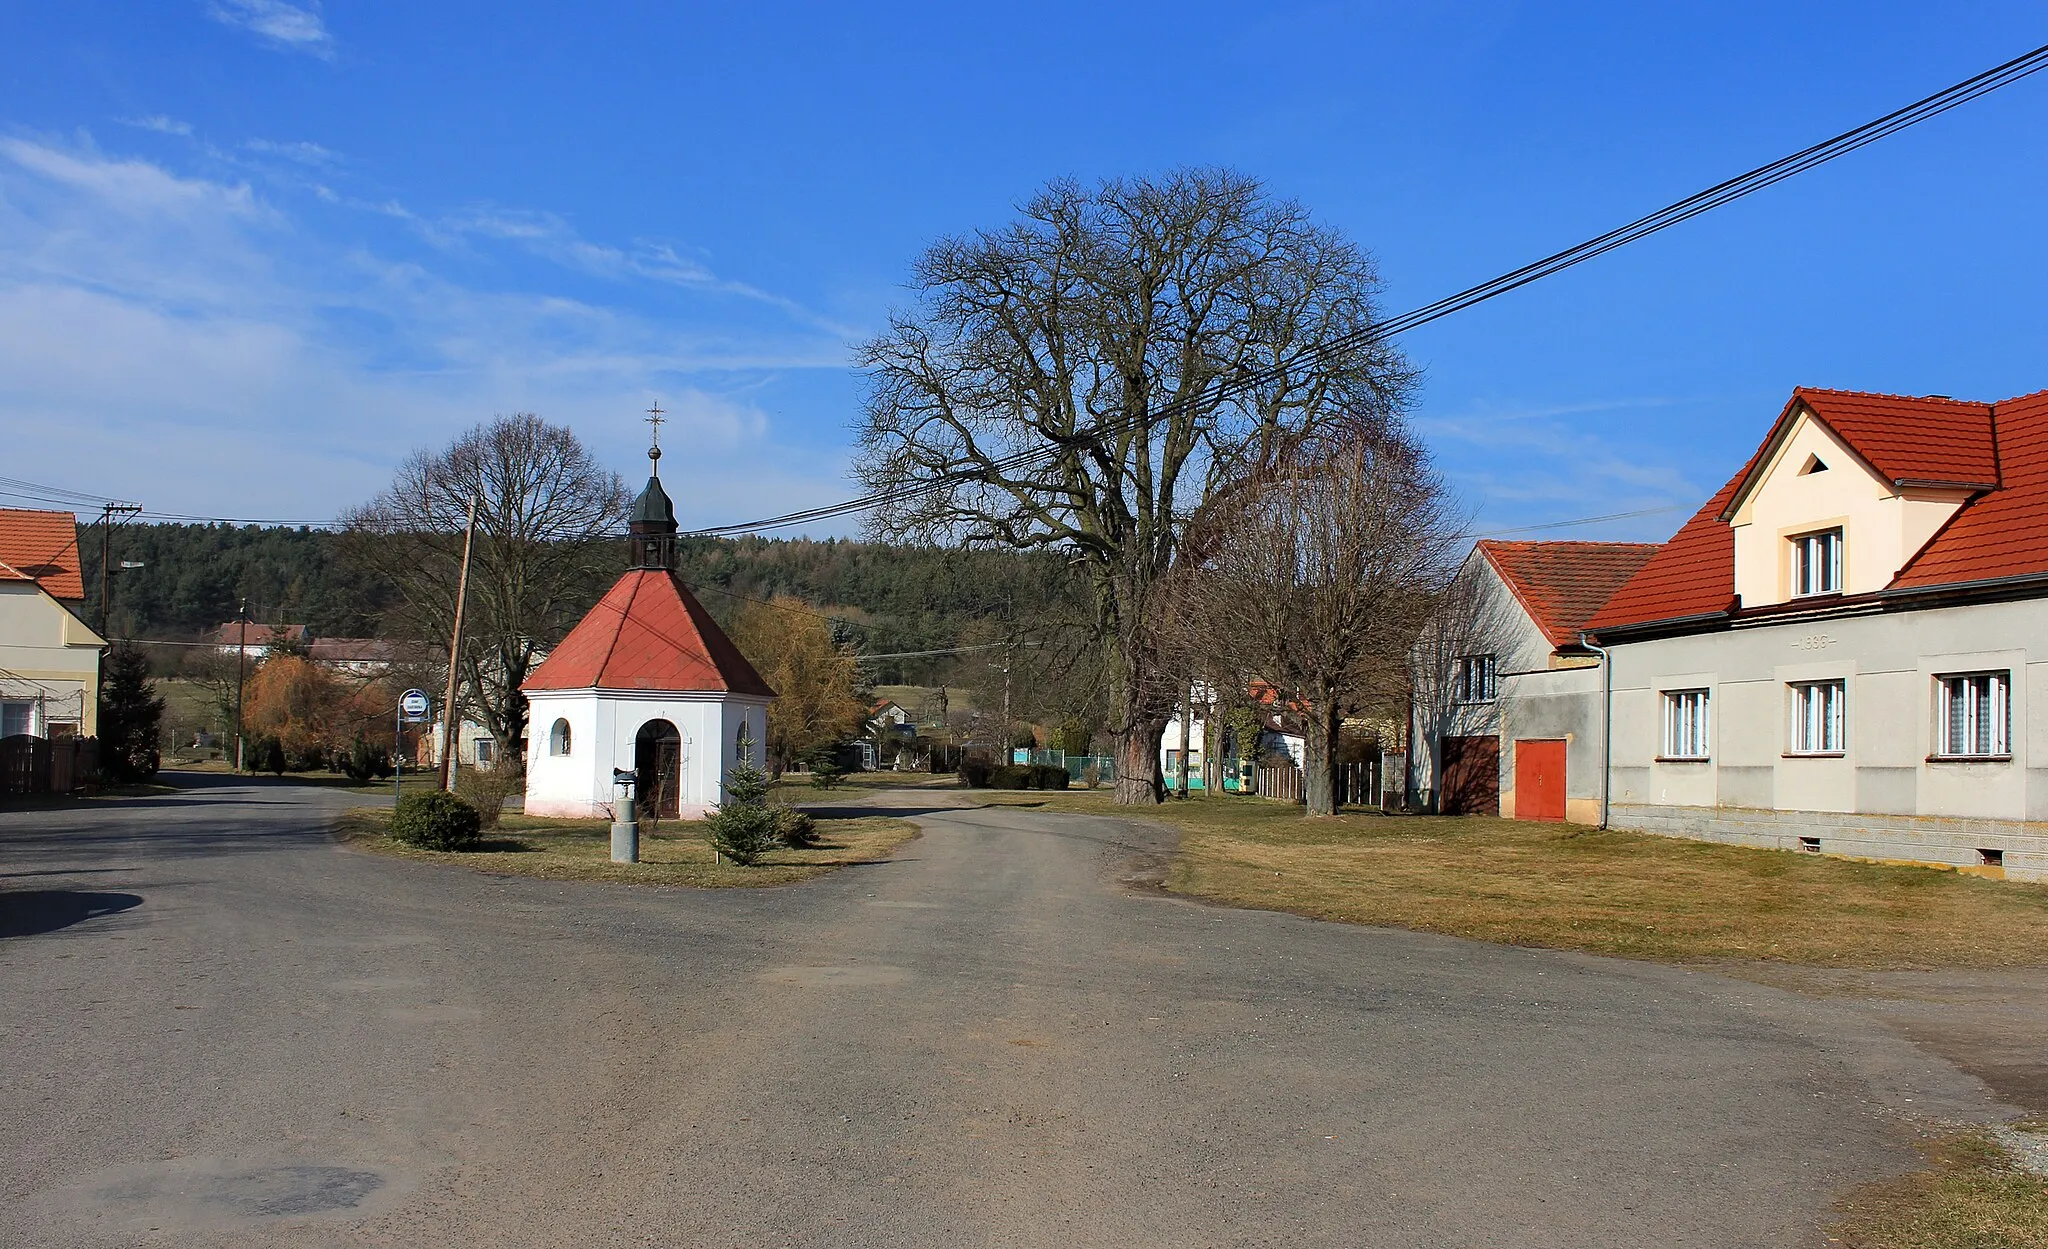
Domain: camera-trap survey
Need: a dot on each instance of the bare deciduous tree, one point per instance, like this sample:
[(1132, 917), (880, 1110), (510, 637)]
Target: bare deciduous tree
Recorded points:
[(1082, 378), (544, 505), (1313, 576)]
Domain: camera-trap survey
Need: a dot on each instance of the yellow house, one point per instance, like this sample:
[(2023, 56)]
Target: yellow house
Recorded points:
[(49, 657)]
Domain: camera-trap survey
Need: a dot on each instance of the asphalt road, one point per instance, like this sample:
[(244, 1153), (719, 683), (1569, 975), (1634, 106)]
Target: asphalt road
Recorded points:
[(219, 1028)]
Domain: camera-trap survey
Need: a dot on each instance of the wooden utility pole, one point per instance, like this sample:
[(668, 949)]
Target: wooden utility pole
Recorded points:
[(448, 731), (241, 671)]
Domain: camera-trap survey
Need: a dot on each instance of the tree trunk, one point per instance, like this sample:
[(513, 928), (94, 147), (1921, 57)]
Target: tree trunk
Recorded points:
[(1320, 728), (1138, 782)]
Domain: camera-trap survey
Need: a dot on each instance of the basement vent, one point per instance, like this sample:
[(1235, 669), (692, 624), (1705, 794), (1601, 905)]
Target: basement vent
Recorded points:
[(1991, 858), (1811, 845), (1814, 464)]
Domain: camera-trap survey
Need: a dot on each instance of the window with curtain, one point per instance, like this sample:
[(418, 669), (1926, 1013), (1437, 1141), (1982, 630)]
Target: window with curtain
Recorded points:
[(1976, 715)]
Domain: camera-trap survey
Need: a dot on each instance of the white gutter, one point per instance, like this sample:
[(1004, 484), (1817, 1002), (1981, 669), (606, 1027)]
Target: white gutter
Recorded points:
[(1606, 720)]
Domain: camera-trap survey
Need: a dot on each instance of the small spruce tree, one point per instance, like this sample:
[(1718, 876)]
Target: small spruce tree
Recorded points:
[(131, 715), (744, 827)]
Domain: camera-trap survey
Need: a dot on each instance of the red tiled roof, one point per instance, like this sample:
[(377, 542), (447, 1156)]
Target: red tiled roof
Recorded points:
[(1693, 574), (232, 633), (1999, 533), (1904, 438), (8, 574), (43, 546), (648, 633), (2004, 532), (1561, 584)]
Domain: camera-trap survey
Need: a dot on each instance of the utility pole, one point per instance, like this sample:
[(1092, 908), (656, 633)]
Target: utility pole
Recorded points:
[(449, 737), (241, 671), (1007, 747), (107, 514)]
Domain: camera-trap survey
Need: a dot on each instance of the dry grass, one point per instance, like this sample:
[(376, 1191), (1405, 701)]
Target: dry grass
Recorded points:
[(1972, 1197), (1574, 888), (676, 855)]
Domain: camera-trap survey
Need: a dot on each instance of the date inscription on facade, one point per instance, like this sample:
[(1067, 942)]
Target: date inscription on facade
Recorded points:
[(1813, 642)]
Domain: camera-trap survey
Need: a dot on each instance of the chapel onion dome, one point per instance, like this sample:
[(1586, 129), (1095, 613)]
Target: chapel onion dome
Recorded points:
[(652, 521)]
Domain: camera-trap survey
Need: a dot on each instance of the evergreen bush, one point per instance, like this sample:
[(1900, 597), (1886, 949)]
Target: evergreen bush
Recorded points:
[(434, 819), (795, 829), (1027, 776), (363, 761), (264, 753), (976, 773), (744, 826), (131, 714)]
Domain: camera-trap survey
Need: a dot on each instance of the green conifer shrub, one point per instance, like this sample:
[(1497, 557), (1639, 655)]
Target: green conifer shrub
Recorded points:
[(434, 819), (744, 826)]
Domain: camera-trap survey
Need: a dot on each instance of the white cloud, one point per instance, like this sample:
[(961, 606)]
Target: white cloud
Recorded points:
[(293, 26), (302, 152), (159, 123), (202, 351)]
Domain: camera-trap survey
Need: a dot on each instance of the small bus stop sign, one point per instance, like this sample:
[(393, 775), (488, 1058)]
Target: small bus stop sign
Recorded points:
[(414, 705)]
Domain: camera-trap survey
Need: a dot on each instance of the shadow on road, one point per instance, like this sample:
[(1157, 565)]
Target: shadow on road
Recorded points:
[(34, 911)]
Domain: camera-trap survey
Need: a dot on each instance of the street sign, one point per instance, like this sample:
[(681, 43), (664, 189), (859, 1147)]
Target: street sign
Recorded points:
[(414, 705)]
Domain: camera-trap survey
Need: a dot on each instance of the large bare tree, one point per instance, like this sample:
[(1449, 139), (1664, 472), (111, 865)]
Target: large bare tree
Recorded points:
[(1314, 576), (544, 504), (1081, 378)]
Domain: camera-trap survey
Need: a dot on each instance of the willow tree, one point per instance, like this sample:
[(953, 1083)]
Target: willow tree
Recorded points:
[(1082, 378), (544, 509)]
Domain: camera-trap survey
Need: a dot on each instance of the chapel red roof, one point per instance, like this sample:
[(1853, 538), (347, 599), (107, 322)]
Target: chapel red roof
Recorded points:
[(43, 547), (2000, 532), (1561, 584), (648, 633)]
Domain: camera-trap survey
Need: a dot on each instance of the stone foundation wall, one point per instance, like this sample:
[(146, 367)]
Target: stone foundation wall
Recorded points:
[(1957, 843)]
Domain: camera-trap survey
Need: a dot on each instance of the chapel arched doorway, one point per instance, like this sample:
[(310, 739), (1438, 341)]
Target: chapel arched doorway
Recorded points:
[(658, 758)]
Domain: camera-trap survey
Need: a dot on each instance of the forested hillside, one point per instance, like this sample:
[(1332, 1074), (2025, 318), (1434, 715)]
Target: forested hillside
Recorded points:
[(899, 598)]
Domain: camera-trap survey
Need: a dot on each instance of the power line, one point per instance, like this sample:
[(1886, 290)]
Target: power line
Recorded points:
[(1642, 227)]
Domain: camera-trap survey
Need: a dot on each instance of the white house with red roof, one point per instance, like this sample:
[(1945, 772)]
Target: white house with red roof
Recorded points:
[(1507, 712), (647, 682), (49, 656), (1846, 650)]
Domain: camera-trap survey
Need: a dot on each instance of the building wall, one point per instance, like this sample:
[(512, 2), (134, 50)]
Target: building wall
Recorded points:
[(49, 657), (1882, 526), (1492, 621), (1555, 703), (1885, 796), (603, 729)]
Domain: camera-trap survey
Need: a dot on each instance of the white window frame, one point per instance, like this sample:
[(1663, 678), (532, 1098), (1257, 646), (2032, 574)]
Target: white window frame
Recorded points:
[(484, 751), (1973, 710), (1817, 563), (1688, 724), (1463, 670), (28, 710), (561, 737), (1819, 717)]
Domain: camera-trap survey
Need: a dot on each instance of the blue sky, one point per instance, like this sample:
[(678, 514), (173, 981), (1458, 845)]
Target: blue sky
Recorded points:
[(253, 252)]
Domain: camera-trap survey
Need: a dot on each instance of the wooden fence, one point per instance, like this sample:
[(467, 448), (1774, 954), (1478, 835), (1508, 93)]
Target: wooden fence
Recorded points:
[(38, 765), (1357, 784)]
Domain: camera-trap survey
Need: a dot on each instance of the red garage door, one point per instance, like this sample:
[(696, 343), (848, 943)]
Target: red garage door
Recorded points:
[(1471, 780), (1539, 779)]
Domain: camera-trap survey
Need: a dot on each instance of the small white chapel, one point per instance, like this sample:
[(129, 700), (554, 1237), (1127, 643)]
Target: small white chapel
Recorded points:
[(646, 681)]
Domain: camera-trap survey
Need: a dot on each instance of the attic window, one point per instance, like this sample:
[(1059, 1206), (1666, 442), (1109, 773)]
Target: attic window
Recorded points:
[(1814, 464)]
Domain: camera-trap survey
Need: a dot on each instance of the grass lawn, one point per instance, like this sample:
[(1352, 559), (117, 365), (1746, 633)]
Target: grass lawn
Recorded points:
[(1569, 887), (677, 854), (1971, 1197)]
